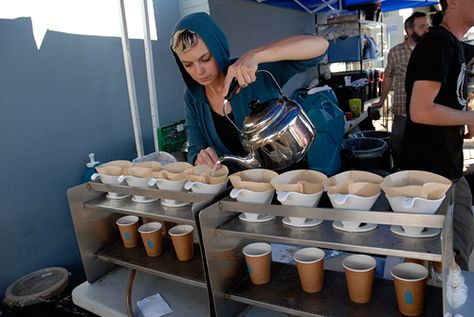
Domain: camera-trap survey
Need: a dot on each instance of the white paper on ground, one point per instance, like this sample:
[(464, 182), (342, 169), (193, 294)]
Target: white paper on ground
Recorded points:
[(154, 306)]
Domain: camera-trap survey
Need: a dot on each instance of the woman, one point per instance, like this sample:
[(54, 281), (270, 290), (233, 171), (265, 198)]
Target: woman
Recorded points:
[(202, 54)]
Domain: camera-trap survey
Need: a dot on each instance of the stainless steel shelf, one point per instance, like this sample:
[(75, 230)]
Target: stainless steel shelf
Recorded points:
[(378, 241), (222, 230), (166, 265), (151, 210), (149, 192), (283, 293)]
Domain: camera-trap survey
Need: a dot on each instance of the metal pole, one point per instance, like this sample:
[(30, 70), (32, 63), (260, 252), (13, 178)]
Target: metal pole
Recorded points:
[(150, 74), (130, 81)]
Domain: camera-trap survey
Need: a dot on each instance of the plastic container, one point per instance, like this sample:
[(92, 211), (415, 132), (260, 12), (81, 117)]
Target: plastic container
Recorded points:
[(367, 154), (321, 106)]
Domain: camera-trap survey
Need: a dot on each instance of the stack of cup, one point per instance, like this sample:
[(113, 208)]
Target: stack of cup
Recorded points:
[(151, 236), (258, 257), (410, 284), (360, 271), (310, 265), (128, 226), (182, 238)]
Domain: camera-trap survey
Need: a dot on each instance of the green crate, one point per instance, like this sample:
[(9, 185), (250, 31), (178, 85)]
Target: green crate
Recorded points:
[(171, 138)]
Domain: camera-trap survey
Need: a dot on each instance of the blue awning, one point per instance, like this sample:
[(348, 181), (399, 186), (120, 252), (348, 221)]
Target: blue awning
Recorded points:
[(392, 5), (314, 6)]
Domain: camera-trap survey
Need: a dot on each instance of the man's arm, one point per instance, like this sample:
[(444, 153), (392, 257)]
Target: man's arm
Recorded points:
[(424, 110), (386, 86), (389, 73)]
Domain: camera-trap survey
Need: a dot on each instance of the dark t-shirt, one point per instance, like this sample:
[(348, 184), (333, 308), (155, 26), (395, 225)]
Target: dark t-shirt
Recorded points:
[(227, 133), (439, 56)]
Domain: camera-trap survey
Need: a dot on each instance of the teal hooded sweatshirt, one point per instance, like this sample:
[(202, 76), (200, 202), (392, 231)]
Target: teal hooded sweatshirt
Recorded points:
[(199, 123)]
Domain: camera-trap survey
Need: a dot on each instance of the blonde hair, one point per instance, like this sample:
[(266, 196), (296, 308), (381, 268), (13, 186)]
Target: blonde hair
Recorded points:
[(183, 40)]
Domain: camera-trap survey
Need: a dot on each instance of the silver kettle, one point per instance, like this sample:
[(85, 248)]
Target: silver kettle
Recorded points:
[(277, 132)]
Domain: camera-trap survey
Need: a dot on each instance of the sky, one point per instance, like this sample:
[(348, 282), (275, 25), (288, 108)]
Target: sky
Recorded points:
[(86, 17)]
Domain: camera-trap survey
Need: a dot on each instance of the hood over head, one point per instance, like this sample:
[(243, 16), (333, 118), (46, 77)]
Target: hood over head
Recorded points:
[(207, 29)]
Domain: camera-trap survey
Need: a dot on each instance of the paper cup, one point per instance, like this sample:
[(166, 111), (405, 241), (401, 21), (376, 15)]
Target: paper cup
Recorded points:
[(182, 238), (227, 259), (410, 284), (258, 257), (128, 226), (310, 266), (360, 271), (151, 236)]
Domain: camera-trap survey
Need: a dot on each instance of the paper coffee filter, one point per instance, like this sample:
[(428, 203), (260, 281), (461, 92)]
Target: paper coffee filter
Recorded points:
[(302, 187), (118, 163), (354, 176), (364, 189), (412, 177), (137, 171), (109, 170), (177, 167), (154, 165), (206, 174), (300, 181), (168, 175), (427, 191), (255, 179), (415, 184), (172, 171)]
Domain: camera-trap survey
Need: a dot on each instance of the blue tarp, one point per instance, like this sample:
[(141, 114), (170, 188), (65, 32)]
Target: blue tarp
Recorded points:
[(387, 5), (392, 5)]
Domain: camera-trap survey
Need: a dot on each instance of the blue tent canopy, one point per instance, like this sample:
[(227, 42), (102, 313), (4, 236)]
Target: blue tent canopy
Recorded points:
[(391, 5), (313, 6)]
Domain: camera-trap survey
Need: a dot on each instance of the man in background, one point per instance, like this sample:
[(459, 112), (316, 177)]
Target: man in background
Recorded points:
[(437, 116), (415, 27)]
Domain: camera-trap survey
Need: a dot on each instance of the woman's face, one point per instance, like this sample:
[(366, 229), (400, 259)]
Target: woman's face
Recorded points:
[(200, 64)]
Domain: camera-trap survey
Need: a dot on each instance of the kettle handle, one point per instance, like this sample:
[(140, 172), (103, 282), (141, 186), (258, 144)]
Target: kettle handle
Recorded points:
[(234, 85), (274, 81)]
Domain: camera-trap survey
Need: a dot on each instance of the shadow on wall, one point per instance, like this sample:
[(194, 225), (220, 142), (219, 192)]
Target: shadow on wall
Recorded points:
[(57, 105)]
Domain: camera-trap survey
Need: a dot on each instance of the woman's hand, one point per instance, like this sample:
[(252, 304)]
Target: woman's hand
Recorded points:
[(243, 70), (207, 156)]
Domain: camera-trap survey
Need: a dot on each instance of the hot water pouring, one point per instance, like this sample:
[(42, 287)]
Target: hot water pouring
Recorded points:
[(277, 132)]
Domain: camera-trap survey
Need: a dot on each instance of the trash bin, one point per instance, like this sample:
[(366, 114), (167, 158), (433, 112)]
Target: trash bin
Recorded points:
[(36, 293), (367, 154), (382, 135)]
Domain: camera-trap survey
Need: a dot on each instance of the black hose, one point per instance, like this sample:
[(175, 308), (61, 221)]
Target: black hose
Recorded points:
[(128, 304)]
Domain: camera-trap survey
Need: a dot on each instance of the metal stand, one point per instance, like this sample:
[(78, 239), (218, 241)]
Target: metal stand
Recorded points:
[(101, 249), (224, 236)]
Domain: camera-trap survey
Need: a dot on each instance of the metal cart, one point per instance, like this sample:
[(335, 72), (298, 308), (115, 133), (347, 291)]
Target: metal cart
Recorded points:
[(224, 236), (94, 215)]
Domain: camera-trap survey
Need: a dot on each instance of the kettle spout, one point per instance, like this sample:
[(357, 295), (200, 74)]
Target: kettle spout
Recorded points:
[(249, 161)]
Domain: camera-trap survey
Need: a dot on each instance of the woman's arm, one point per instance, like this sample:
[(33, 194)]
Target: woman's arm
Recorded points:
[(300, 47), (196, 140)]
